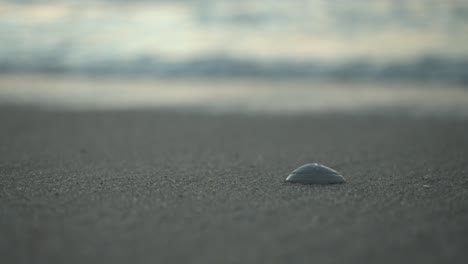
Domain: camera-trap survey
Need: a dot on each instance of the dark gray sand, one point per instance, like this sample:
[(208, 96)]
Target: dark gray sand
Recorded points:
[(160, 187)]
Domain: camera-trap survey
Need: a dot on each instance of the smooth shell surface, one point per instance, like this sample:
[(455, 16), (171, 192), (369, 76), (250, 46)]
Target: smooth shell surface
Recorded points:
[(314, 173)]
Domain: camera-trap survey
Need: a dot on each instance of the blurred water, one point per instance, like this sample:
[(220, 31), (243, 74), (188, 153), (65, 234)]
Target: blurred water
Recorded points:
[(371, 56), (422, 40)]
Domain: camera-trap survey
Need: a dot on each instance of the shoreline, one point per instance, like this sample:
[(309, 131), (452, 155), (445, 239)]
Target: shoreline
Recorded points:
[(250, 97)]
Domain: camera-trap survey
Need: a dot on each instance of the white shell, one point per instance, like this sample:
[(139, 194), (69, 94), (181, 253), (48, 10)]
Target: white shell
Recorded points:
[(314, 173)]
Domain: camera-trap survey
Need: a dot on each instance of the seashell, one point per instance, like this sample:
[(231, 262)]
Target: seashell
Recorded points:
[(314, 173)]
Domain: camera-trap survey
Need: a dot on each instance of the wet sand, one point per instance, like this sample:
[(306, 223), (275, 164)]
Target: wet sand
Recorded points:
[(162, 187)]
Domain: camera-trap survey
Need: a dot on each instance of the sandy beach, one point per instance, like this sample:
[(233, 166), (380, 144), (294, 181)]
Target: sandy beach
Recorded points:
[(162, 187)]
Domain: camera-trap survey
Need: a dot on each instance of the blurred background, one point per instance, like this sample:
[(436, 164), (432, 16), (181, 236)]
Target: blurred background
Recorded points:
[(257, 55)]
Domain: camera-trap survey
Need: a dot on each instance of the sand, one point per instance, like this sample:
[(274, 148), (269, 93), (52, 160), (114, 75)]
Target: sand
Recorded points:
[(162, 187)]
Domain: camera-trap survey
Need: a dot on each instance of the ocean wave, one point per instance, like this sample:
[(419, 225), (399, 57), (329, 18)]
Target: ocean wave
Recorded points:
[(425, 69)]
